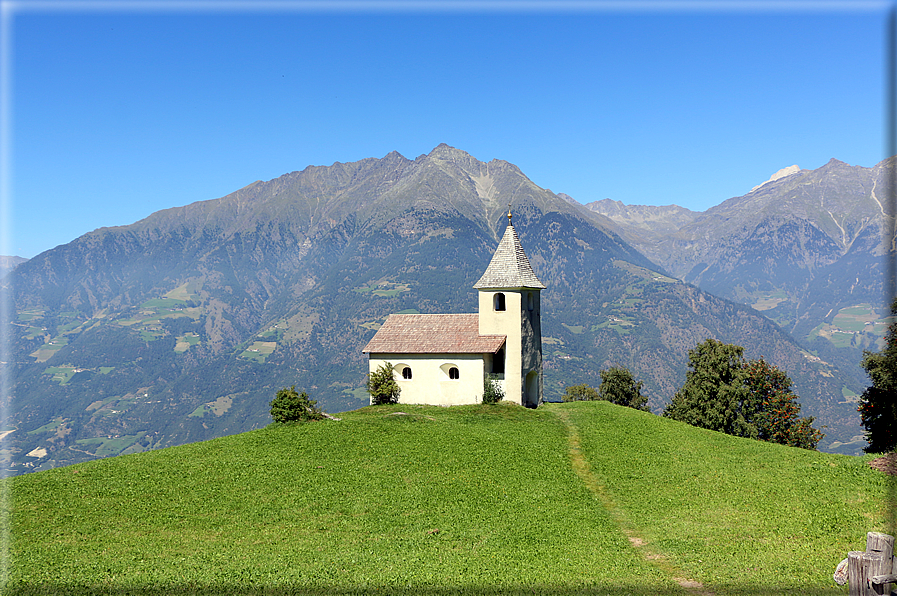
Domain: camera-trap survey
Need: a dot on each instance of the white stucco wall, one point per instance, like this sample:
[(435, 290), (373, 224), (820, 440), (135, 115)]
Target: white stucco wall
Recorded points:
[(430, 382)]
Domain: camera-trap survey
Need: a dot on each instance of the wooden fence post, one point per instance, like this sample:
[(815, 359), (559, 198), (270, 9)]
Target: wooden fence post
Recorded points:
[(869, 573)]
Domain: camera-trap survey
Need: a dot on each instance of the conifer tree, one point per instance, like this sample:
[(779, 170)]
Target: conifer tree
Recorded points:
[(714, 395)]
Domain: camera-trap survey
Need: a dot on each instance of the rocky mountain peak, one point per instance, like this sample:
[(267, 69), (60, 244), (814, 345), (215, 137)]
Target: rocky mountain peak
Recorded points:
[(448, 153), (780, 174)]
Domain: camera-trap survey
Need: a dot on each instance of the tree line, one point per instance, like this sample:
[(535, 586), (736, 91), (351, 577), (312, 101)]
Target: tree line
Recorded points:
[(723, 391)]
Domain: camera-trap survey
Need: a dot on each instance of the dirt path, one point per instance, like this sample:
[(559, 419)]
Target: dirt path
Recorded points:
[(581, 466)]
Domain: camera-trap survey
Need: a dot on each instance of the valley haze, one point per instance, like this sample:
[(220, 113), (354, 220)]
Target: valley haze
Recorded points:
[(182, 326)]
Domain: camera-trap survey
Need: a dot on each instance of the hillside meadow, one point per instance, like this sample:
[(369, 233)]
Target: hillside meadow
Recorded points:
[(577, 498)]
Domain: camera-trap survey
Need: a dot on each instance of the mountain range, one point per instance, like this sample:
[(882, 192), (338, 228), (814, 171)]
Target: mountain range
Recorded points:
[(182, 326), (806, 248)]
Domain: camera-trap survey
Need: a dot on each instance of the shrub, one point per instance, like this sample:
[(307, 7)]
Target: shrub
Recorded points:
[(620, 388), (581, 393), (492, 391), (382, 386), (290, 406)]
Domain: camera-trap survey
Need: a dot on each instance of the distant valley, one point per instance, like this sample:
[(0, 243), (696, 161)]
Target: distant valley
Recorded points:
[(806, 248), (182, 326)]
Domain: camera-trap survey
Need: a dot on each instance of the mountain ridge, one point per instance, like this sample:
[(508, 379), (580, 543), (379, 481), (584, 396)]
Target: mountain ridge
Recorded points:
[(182, 325), (806, 249)]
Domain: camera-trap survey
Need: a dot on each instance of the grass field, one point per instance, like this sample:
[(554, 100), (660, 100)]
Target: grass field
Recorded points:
[(259, 351), (858, 326), (186, 341), (577, 498)]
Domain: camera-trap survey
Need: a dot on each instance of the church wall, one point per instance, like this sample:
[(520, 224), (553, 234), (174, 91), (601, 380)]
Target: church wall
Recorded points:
[(430, 381)]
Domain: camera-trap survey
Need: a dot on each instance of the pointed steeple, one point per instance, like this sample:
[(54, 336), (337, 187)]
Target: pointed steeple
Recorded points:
[(509, 267)]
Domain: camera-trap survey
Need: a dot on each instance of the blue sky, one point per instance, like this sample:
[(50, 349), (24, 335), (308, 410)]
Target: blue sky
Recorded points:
[(115, 110)]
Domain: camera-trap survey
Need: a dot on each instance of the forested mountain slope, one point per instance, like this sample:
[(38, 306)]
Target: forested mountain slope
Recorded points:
[(182, 326), (808, 249)]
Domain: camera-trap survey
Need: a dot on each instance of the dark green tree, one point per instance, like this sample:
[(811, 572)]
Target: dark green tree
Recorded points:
[(779, 418), (581, 393), (714, 395), (745, 398), (291, 406), (620, 388), (878, 404), (382, 386)]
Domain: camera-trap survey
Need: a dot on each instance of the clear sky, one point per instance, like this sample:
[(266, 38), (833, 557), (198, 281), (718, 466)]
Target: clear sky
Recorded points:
[(112, 111)]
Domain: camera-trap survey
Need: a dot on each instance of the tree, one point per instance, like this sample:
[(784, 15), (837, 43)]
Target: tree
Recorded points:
[(745, 398), (620, 388), (291, 406), (382, 386), (878, 404), (581, 393), (778, 421), (714, 395), (492, 391)]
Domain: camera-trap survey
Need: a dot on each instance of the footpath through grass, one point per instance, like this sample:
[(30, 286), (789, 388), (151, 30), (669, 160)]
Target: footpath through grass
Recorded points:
[(393, 499), (429, 500), (740, 516)]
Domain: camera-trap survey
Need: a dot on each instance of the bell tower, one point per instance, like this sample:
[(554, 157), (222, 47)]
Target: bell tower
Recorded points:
[(509, 306)]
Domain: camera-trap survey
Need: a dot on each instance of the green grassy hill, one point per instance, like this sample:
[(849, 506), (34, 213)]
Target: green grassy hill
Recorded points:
[(579, 498)]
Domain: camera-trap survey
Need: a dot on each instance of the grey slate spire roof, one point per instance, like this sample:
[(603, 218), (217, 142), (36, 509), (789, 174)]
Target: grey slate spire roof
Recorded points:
[(509, 267)]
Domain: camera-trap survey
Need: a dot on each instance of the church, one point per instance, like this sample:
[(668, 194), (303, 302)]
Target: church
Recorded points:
[(443, 359)]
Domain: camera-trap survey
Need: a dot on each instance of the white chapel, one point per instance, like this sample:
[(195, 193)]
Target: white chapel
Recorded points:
[(443, 359)]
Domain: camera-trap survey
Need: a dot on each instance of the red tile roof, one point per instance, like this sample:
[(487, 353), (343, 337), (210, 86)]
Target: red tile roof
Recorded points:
[(433, 334)]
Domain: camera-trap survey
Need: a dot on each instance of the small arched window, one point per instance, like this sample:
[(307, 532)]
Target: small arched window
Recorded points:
[(529, 300), (453, 373), (499, 301), (406, 373)]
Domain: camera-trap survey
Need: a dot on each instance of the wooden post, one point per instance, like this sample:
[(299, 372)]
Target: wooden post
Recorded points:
[(877, 542), (875, 563)]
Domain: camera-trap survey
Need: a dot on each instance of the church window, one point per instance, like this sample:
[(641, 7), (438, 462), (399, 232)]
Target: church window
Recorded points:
[(529, 300), (406, 373), (499, 301), (453, 373)]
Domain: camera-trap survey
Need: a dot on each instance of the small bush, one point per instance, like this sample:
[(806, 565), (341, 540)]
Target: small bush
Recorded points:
[(492, 391), (581, 393), (292, 406), (382, 386), (619, 387)]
